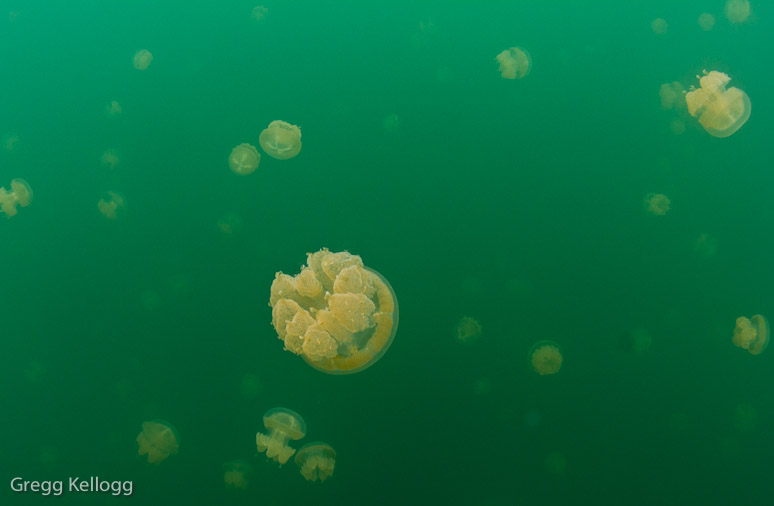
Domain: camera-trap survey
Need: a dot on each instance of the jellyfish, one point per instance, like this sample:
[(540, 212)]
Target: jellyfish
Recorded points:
[(672, 95), (555, 463), (545, 357), (230, 223), (659, 26), (20, 194), (112, 205), (10, 142), (339, 315), (751, 334), (236, 474), (244, 159), (259, 13), (468, 330), (282, 424), (113, 108), (158, 440), (281, 140), (720, 111), (316, 461), (109, 159), (656, 203), (737, 11), (391, 123), (636, 341), (515, 63), (745, 417), (706, 245), (142, 59), (706, 21)]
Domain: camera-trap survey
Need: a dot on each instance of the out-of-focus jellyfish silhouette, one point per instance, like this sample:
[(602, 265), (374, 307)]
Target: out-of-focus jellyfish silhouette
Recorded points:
[(316, 460), (745, 417), (751, 334), (112, 205), (721, 111), (672, 95), (251, 386), (706, 21), (236, 474), (282, 425), (259, 13), (636, 341), (110, 159), (391, 123), (142, 59), (555, 463), (244, 159), (737, 11), (659, 26), (20, 195), (339, 315), (10, 142), (515, 63), (545, 357), (468, 330), (706, 245), (281, 140), (113, 108), (482, 386), (656, 203), (230, 224), (158, 440)]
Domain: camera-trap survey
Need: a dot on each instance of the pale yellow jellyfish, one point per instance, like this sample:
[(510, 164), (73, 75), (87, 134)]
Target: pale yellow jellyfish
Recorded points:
[(720, 111), (142, 59), (20, 194), (340, 316), (515, 63), (468, 330), (10, 142), (656, 203), (230, 223), (737, 11), (236, 474), (545, 357), (158, 440), (706, 21), (282, 424), (244, 159), (281, 140), (112, 205), (751, 334), (659, 26), (110, 159), (259, 13), (113, 108), (672, 95), (316, 460)]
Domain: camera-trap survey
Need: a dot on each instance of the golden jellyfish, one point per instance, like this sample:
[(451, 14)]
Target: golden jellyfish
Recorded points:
[(721, 111), (339, 315), (659, 26), (259, 13), (20, 195), (706, 21), (244, 159), (283, 425), (113, 108), (158, 440), (109, 159), (468, 330), (657, 203), (112, 205), (672, 95), (230, 224), (316, 460), (737, 11), (751, 334), (236, 474), (545, 357), (11, 142), (281, 140), (142, 59), (515, 63)]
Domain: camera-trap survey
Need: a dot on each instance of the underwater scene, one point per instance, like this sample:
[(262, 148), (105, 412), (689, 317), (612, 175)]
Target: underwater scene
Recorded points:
[(386, 252)]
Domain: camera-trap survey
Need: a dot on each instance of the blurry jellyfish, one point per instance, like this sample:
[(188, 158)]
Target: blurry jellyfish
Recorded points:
[(656, 203), (230, 223), (10, 142), (468, 330), (20, 194), (281, 140), (737, 11), (109, 159), (545, 357), (339, 315), (113, 108), (142, 59), (720, 111), (706, 21), (316, 461), (659, 26), (391, 123), (636, 341), (158, 440), (236, 474), (555, 463), (677, 126), (515, 63), (751, 334), (672, 95), (251, 386), (112, 205), (244, 159), (706, 245), (282, 424), (259, 13), (745, 417)]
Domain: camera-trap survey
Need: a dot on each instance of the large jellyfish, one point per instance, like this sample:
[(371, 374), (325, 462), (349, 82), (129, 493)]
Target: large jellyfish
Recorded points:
[(20, 194), (110, 159), (656, 203), (112, 205), (282, 424), (737, 11), (340, 316), (720, 111), (281, 140), (706, 21), (142, 59), (244, 159), (316, 461), (468, 330), (236, 474), (158, 440), (515, 63), (751, 334), (545, 357)]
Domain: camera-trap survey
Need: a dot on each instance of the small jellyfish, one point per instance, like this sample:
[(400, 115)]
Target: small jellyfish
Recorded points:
[(545, 357), (10, 142), (316, 461), (391, 123), (468, 330), (515, 63), (637, 341), (236, 474), (259, 13), (659, 26), (656, 203), (244, 159), (230, 224), (158, 440), (672, 95), (751, 334), (737, 11), (20, 194), (112, 205), (555, 463), (282, 424), (113, 108), (720, 111), (706, 245), (142, 59), (706, 21), (110, 159), (281, 140)]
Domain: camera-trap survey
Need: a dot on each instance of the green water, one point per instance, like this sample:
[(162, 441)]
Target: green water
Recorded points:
[(518, 203)]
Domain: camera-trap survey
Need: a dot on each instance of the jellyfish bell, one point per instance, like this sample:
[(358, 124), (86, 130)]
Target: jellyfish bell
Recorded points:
[(142, 59), (515, 63), (282, 425), (244, 159), (20, 195), (281, 140), (112, 205), (259, 13), (545, 357), (236, 474), (113, 108), (752, 334), (316, 461), (721, 111), (706, 21), (657, 204), (737, 11), (468, 330), (659, 26), (158, 440)]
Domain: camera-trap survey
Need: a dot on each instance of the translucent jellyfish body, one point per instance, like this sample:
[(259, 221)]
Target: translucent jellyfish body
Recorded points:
[(282, 425), (672, 95), (340, 316), (158, 440), (281, 140), (112, 205), (244, 159), (468, 330), (316, 460), (751, 334), (545, 357), (142, 59), (236, 474), (20, 195), (721, 111), (737, 11), (515, 63), (656, 203)]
